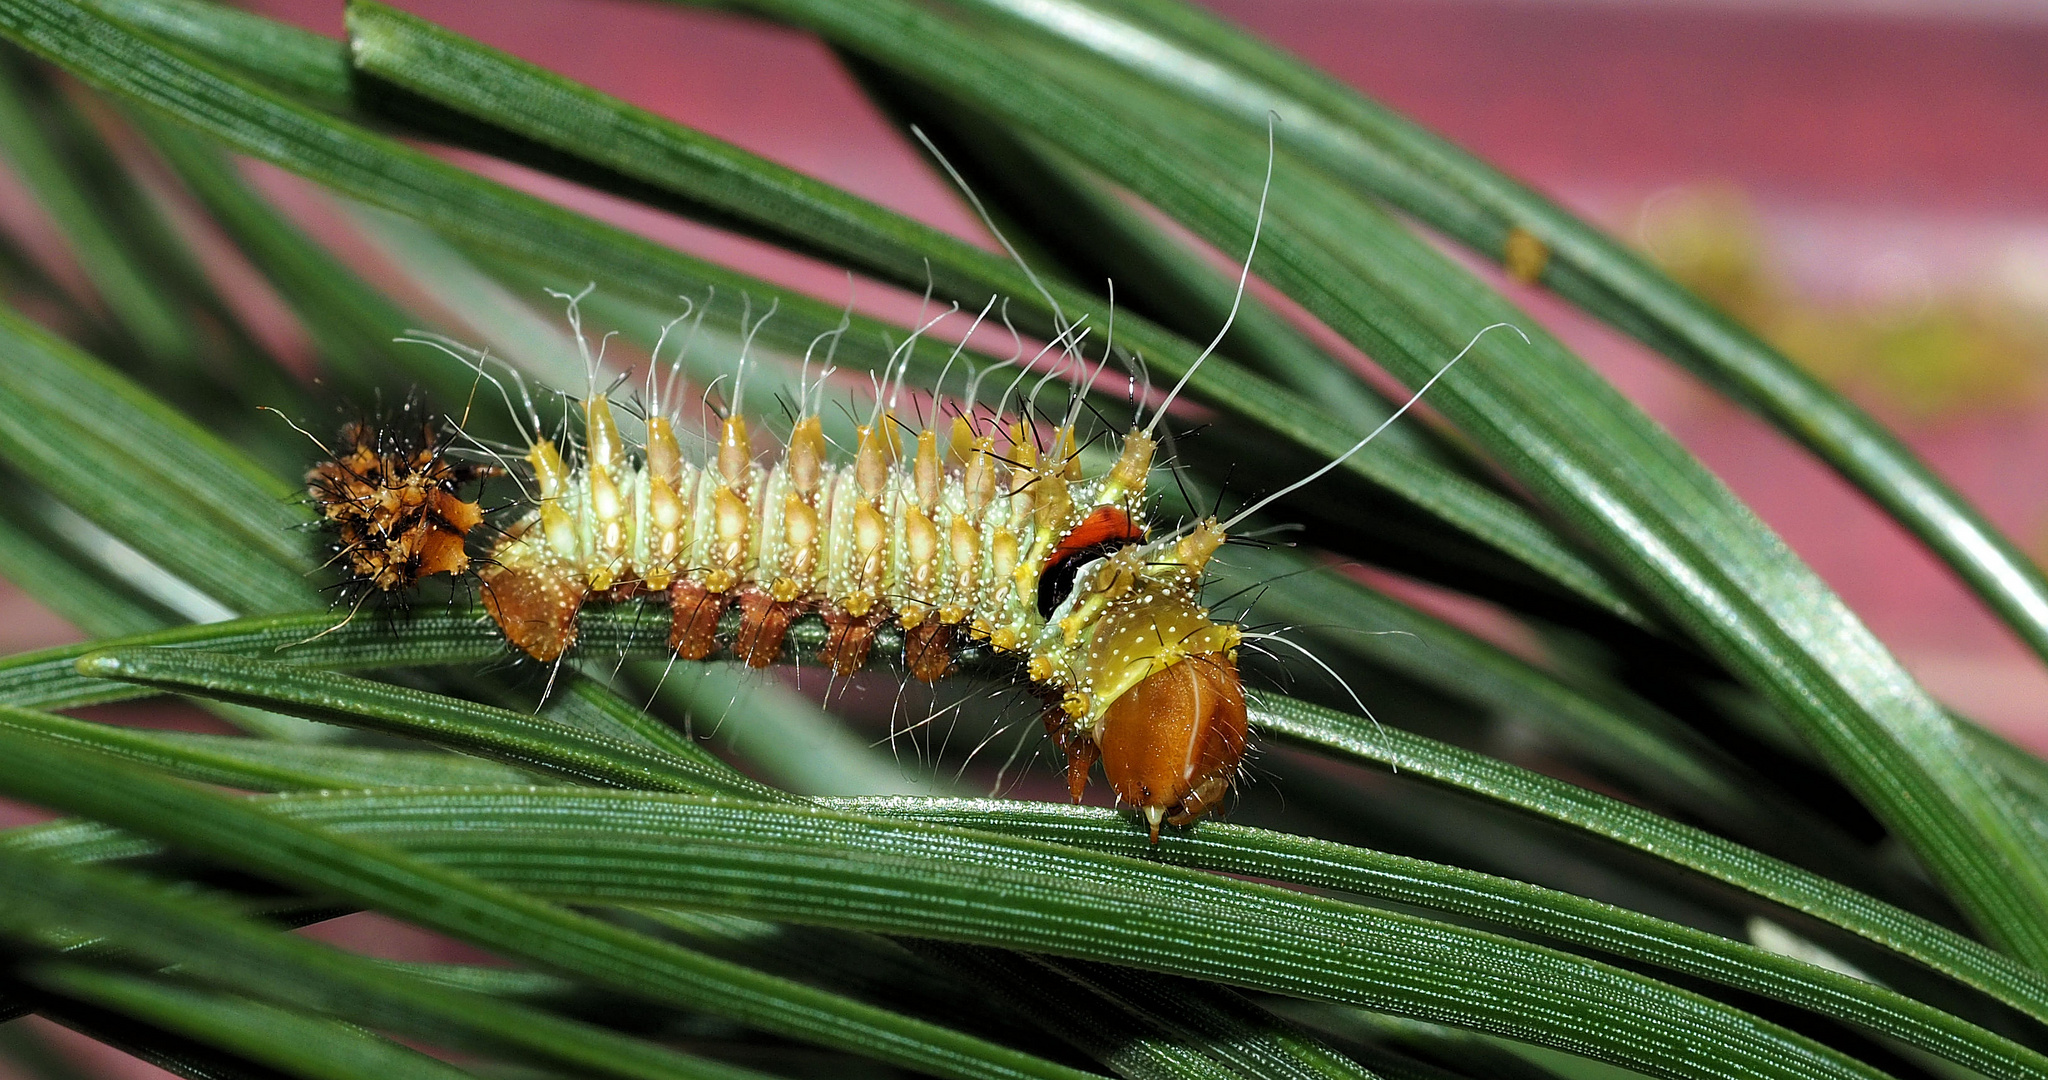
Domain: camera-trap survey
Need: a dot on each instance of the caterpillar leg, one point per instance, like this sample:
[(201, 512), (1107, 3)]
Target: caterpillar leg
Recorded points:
[(928, 650), (535, 605), (848, 639), (1081, 750), (696, 609), (763, 624)]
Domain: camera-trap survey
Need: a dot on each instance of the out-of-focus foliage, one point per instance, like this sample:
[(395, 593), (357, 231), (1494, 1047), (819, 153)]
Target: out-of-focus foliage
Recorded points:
[(1918, 354)]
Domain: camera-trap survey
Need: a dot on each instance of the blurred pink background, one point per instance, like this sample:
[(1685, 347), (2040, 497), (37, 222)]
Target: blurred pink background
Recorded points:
[(1891, 153)]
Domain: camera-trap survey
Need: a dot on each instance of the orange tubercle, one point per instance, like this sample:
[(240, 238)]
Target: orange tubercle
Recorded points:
[(389, 500)]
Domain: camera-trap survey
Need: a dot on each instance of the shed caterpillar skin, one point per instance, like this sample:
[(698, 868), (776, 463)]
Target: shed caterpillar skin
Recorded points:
[(389, 500), (947, 538)]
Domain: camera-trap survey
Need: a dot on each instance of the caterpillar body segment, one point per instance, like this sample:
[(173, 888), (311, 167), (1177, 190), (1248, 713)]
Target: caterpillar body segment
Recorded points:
[(941, 534)]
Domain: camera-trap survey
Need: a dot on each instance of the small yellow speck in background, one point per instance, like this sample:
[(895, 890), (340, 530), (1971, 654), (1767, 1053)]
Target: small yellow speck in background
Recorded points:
[(1524, 256)]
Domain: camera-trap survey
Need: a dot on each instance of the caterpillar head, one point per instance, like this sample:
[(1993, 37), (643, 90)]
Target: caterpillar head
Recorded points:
[(1153, 680)]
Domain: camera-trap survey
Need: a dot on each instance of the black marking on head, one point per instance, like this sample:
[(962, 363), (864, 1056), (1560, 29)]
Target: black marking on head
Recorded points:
[(1057, 582)]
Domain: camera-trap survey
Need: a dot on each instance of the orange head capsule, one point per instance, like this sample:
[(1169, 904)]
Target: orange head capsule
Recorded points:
[(1171, 744), (1168, 708), (1150, 679)]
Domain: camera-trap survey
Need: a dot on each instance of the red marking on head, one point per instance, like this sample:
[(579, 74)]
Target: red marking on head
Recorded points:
[(1171, 744), (1105, 523)]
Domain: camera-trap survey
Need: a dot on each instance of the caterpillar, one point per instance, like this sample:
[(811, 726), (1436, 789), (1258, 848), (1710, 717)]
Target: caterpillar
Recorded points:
[(948, 536), (971, 534), (977, 534)]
